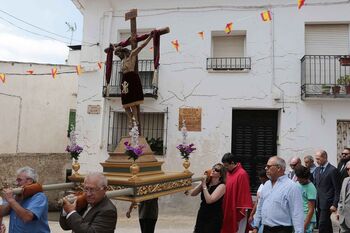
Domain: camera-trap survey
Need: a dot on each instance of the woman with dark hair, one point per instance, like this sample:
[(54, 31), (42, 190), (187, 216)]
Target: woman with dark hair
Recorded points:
[(210, 215), (309, 197)]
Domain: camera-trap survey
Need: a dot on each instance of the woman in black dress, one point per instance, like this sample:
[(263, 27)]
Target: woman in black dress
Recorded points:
[(210, 215)]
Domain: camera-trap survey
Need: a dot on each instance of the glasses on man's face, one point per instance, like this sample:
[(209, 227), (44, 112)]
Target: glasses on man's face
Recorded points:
[(348, 168), (269, 166), (20, 180), (345, 153), (91, 190), (292, 165)]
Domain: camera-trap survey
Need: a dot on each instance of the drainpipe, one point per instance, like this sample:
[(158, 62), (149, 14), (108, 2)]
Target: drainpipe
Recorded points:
[(107, 39), (274, 85), (19, 118)]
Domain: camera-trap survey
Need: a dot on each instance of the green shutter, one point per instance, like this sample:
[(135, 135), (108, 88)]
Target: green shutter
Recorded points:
[(71, 121)]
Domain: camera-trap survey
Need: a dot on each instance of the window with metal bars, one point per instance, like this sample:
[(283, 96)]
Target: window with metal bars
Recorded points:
[(146, 71), (153, 128), (228, 52)]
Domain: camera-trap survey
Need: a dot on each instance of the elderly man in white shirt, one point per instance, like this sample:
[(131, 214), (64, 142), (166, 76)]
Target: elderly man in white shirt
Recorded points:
[(280, 208)]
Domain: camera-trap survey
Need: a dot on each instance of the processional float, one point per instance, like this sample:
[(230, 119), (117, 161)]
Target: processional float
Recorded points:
[(143, 178), (134, 181)]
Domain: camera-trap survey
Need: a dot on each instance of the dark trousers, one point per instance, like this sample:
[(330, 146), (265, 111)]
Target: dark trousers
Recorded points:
[(278, 229), (147, 225), (324, 221)]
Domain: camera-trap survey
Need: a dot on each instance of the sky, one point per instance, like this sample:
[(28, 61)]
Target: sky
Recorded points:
[(50, 46)]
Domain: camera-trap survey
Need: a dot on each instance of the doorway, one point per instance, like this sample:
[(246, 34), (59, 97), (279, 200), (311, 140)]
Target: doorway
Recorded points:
[(254, 140)]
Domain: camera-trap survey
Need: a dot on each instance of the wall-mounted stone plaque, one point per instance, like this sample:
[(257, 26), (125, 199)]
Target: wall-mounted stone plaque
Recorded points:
[(192, 117), (94, 109)]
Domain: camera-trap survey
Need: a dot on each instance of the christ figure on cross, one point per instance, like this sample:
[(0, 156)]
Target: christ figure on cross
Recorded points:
[(131, 88)]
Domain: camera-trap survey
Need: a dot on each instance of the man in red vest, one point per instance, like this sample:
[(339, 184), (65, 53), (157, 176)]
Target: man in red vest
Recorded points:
[(237, 199)]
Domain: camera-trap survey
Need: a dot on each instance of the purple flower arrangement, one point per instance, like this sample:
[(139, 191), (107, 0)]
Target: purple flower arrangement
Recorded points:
[(74, 149), (186, 150), (134, 152)]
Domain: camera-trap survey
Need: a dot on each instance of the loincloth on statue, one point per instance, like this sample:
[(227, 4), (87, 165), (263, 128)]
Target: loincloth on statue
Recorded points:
[(131, 90)]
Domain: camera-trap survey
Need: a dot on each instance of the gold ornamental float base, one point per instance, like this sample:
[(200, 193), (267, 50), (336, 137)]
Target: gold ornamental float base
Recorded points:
[(148, 183)]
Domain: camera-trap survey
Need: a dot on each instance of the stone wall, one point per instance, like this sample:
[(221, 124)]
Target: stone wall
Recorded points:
[(50, 167)]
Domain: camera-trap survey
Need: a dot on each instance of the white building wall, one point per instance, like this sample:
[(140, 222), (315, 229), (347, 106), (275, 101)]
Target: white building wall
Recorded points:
[(273, 82), (35, 108), (73, 57)]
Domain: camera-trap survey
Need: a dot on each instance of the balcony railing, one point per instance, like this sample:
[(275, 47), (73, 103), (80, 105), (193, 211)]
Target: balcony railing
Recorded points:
[(229, 63), (153, 128), (325, 76), (146, 71)]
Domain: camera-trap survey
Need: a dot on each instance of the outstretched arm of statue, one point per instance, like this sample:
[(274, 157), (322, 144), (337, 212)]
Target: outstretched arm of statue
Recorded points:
[(136, 51)]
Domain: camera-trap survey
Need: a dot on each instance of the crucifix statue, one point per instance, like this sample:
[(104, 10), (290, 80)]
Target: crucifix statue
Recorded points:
[(131, 88)]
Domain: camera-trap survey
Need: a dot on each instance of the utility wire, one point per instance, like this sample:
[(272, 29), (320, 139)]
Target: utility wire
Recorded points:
[(40, 74), (37, 34), (42, 29), (39, 28)]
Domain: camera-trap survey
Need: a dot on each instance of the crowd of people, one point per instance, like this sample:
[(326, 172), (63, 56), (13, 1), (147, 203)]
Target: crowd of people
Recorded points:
[(299, 200), (296, 201)]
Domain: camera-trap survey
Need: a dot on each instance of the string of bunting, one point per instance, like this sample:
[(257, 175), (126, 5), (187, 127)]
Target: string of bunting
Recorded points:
[(266, 16), (53, 72)]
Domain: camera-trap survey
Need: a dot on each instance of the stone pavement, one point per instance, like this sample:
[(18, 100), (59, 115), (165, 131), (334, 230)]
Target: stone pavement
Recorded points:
[(165, 224)]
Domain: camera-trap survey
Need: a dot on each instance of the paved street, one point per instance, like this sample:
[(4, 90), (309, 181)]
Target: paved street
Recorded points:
[(165, 224)]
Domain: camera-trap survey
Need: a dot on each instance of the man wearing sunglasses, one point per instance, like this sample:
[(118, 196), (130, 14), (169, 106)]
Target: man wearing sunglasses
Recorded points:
[(99, 216), (29, 214), (294, 163), (280, 207), (344, 158), (344, 203)]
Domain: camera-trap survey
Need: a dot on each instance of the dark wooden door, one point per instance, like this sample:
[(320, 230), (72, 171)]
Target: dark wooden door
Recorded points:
[(254, 140)]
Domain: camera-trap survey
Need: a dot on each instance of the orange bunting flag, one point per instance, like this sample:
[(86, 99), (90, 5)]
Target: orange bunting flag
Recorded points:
[(201, 35), (300, 3), (30, 71), (78, 69), (54, 72), (99, 64), (2, 78), (228, 28), (266, 16), (176, 45), (151, 49)]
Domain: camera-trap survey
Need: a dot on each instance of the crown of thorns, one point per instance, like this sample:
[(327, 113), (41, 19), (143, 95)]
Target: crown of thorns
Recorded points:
[(121, 49)]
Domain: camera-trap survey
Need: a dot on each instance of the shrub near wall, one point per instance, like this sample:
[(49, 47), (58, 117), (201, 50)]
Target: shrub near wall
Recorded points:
[(51, 169)]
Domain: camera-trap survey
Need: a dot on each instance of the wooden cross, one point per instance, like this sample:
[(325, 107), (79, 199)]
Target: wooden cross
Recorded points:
[(131, 15)]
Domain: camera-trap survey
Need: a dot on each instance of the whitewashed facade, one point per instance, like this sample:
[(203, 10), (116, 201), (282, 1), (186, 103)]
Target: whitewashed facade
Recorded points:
[(35, 108), (273, 82)]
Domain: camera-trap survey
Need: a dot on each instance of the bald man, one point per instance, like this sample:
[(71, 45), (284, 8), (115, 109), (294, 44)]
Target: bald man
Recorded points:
[(328, 189), (294, 162)]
